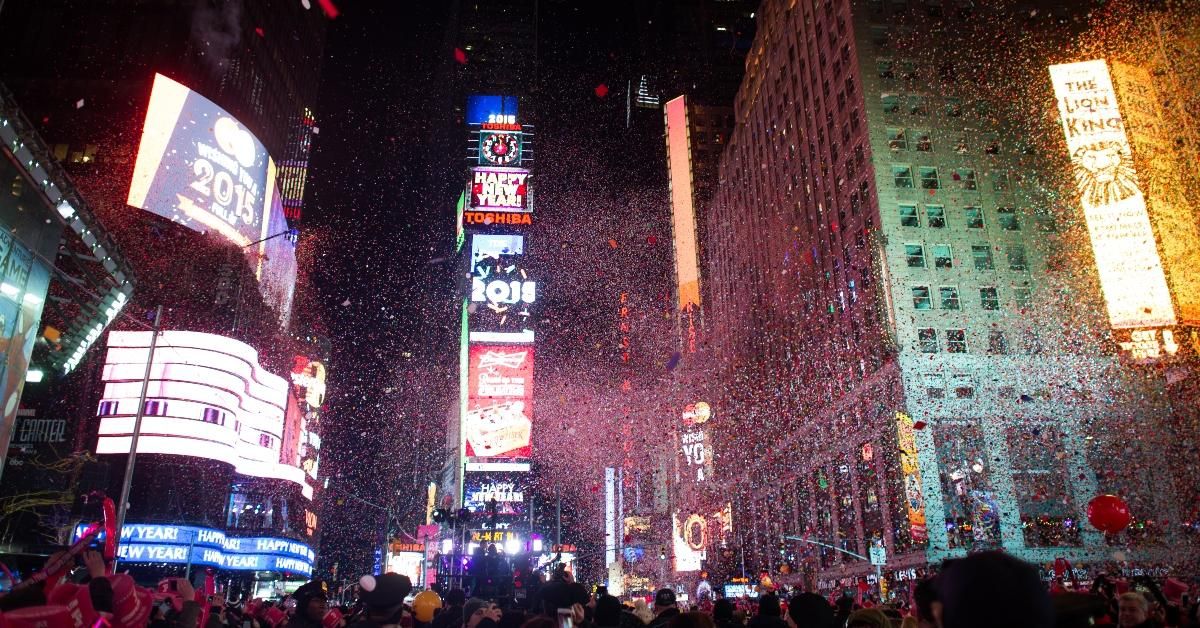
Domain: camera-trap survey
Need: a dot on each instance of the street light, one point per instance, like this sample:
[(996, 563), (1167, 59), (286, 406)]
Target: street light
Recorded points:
[(876, 563)]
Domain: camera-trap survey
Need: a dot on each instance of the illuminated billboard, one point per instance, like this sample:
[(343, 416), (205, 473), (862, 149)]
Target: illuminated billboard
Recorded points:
[(208, 397), (308, 381), (683, 214), (498, 428), (500, 189), (198, 166), (507, 489), (502, 292), (483, 108), (695, 445), (910, 469), (179, 545), (692, 535), (500, 371), (1127, 260)]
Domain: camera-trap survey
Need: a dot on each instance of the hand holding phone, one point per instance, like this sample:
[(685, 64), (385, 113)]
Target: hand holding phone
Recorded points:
[(566, 618)]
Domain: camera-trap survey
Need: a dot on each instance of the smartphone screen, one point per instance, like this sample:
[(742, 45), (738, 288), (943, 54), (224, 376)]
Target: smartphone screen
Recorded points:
[(566, 618)]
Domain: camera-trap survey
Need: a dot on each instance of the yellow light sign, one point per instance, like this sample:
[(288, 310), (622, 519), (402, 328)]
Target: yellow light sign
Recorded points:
[(1127, 261)]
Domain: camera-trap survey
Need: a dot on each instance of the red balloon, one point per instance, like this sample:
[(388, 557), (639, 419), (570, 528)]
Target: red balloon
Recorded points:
[(1108, 513)]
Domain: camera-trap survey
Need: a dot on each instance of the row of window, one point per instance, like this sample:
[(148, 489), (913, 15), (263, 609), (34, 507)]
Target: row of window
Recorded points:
[(973, 217), (956, 341), (921, 141), (930, 178), (922, 105), (989, 297), (159, 407), (981, 256)]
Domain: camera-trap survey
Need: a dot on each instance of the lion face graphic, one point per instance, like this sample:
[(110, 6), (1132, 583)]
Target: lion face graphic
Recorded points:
[(1104, 173)]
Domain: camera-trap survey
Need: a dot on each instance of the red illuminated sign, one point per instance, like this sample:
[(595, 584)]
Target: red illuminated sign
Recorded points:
[(496, 218), (501, 372), (503, 189)]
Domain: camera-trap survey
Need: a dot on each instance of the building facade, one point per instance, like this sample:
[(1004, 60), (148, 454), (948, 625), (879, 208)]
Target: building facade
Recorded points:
[(896, 311)]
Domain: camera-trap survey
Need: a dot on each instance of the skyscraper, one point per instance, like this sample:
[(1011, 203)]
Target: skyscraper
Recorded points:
[(903, 334)]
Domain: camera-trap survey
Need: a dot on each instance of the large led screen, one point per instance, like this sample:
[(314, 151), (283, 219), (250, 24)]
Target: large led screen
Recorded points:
[(502, 289), (1127, 261), (198, 166), (507, 489), (482, 108), (500, 372), (500, 189), (179, 545), (498, 428), (207, 397)]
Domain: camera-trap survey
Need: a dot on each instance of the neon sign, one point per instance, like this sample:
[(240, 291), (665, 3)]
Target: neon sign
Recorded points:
[(504, 189), (170, 544)]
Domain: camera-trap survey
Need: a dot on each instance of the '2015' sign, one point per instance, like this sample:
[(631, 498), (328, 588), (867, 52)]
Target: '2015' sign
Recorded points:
[(501, 291)]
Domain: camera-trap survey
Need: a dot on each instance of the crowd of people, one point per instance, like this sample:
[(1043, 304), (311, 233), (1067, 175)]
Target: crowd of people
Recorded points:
[(984, 590)]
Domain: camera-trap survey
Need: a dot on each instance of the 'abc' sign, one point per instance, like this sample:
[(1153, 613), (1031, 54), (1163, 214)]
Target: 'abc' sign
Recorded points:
[(501, 291)]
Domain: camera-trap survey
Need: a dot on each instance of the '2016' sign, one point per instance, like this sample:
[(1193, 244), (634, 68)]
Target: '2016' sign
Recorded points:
[(502, 291)]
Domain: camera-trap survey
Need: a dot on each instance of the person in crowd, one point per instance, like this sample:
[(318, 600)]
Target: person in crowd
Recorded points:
[(770, 614), (665, 608), (693, 619), (451, 616), (642, 612), (607, 613), (1133, 611), (312, 603), (383, 600), (480, 613), (722, 613), (845, 605), (924, 595), (868, 618), (513, 618), (992, 590), (809, 610)]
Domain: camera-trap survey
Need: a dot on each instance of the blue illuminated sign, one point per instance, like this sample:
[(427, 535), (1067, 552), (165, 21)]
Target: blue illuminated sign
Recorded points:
[(146, 543), (482, 108)]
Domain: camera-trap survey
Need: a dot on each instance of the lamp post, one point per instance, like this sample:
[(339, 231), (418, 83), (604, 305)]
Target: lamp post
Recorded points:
[(123, 505), (878, 566)]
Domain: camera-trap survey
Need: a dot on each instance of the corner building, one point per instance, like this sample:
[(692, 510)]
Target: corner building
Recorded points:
[(902, 341)]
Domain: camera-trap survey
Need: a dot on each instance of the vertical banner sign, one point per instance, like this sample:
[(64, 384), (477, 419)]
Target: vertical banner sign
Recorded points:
[(683, 219), (914, 501), (1127, 259)]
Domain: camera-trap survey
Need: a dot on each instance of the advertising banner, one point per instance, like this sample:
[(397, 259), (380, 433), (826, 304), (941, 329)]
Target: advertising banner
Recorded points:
[(914, 500), (501, 371), (178, 545), (502, 289), (198, 166), (498, 428), (1127, 260)]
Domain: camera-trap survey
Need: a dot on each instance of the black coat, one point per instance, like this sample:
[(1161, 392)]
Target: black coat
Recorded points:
[(664, 618), (767, 621)]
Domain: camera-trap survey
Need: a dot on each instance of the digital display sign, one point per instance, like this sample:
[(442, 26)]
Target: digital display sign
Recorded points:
[(502, 291), (500, 189), (1114, 207), (500, 148), (695, 446), (508, 489), (171, 544), (498, 428), (914, 500), (198, 166), (483, 108), (207, 397), (501, 371)]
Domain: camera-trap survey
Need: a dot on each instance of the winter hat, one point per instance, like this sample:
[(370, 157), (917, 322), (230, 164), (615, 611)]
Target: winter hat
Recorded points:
[(768, 605), (664, 597), (993, 590), (471, 606), (308, 592), (384, 592)]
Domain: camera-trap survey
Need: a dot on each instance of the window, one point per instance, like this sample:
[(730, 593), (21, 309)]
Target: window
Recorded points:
[(989, 299), (936, 216), (935, 385), (214, 416), (918, 105), (942, 257), (927, 340), (155, 408), (956, 340), (964, 386), (908, 70), (982, 254), (886, 68), (908, 216), (890, 102), (264, 440), (1023, 296), (922, 300), (929, 178), (914, 254), (1045, 220), (966, 178), (1000, 180), (107, 408), (953, 107), (997, 342), (949, 297), (897, 139), (1016, 258), (923, 140), (1008, 218), (974, 216), (902, 176)]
